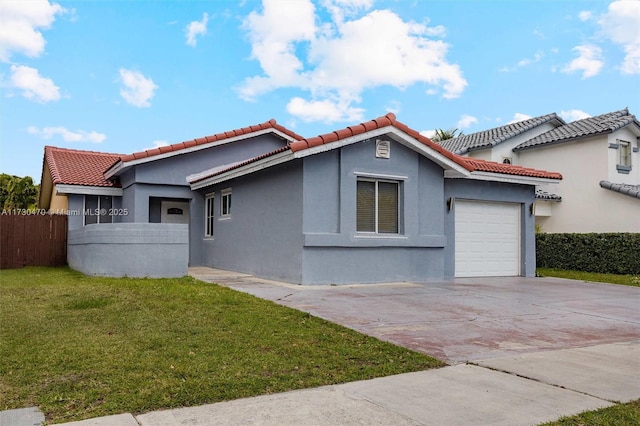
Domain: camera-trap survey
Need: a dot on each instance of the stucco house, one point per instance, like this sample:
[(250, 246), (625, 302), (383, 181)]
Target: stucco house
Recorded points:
[(597, 156), (375, 202)]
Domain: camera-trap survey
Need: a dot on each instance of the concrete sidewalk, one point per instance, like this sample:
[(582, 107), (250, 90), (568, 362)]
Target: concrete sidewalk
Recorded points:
[(456, 395)]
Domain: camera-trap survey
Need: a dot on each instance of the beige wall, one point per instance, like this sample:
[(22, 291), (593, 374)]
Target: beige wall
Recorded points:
[(59, 203), (585, 206)]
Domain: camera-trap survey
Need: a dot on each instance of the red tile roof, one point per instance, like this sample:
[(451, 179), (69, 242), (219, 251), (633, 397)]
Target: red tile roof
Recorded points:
[(75, 167), (508, 169), (385, 121), (271, 124), (376, 123)]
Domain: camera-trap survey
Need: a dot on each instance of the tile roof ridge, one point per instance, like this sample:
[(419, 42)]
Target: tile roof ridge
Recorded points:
[(335, 135), (178, 146)]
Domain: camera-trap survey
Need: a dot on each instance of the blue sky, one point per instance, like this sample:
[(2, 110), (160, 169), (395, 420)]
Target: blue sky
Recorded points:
[(124, 76)]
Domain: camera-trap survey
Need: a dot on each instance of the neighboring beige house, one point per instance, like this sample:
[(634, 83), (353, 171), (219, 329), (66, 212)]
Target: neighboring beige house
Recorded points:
[(597, 156)]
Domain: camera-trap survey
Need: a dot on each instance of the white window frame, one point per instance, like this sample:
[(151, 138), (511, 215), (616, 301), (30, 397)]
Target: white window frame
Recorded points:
[(209, 215), (624, 154), (376, 200), (225, 203), (99, 207)]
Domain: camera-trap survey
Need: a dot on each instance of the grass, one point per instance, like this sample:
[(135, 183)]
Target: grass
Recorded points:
[(617, 415), (81, 347), (632, 280)]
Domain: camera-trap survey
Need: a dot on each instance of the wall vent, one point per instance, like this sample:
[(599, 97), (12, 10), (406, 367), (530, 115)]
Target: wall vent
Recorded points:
[(383, 148)]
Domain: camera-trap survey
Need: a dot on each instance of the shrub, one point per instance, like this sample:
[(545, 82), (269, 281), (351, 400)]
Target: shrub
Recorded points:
[(610, 253)]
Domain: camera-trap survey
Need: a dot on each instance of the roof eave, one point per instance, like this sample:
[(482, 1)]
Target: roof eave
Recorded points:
[(561, 141), (509, 178), (256, 166), (88, 190), (400, 137), (121, 166)]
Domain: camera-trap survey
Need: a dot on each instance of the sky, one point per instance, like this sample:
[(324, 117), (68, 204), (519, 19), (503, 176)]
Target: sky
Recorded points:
[(125, 76)]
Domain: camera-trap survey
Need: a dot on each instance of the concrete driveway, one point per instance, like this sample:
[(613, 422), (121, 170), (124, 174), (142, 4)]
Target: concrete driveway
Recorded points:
[(464, 319), (540, 349)]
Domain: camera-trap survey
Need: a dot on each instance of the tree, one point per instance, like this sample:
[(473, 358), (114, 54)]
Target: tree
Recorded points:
[(17, 192), (443, 135)]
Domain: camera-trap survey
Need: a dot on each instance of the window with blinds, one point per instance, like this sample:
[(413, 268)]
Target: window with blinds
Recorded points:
[(377, 206)]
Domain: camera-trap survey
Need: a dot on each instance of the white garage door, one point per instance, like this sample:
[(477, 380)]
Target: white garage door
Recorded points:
[(487, 239)]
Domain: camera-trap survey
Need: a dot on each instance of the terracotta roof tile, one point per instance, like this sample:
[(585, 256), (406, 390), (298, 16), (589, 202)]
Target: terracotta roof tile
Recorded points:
[(388, 120), (75, 167), (271, 124), (508, 169)]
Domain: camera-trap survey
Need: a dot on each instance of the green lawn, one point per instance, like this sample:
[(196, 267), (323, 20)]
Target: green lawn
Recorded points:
[(81, 347), (632, 280), (617, 415)]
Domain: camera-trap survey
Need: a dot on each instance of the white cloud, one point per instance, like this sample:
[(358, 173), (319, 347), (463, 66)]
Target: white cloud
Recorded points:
[(33, 85), (138, 90), (573, 115), (524, 62), (589, 61), (68, 135), (518, 116), (621, 24), (466, 121), (156, 144), (585, 15), (196, 28), (20, 22), (528, 61), (428, 133), (324, 110), (335, 62)]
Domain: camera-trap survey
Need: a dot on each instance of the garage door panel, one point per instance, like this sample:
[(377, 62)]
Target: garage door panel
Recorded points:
[(487, 239)]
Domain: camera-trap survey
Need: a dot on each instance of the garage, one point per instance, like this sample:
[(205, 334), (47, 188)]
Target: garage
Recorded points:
[(487, 239)]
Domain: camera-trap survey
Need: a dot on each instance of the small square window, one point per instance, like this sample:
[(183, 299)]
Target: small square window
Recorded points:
[(225, 203)]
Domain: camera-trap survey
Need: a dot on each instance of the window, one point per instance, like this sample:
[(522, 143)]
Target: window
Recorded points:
[(225, 203), (624, 152), (98, 209), (208, 216), (377, 206), (506, 160)]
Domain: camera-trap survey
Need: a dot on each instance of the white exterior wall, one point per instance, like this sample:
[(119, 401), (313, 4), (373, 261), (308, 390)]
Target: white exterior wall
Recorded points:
[(504, 149), (633, 177), (585, 206)]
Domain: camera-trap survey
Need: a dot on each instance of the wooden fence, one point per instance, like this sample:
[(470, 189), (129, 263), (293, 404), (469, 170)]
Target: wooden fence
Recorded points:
[(32, 240)]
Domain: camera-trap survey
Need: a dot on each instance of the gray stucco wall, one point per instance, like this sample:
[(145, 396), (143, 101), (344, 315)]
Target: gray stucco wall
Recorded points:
[(129, 249), (263, 236), (499, 192), (145, 185), (334, 253)]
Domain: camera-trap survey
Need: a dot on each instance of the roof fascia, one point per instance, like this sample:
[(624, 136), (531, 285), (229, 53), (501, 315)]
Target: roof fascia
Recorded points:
[(88, 190), (501, 177), (401, 137), (267, 162), (121, 166)]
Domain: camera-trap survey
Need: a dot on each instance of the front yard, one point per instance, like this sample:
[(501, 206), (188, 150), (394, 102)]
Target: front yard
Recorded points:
[(81, 347)]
